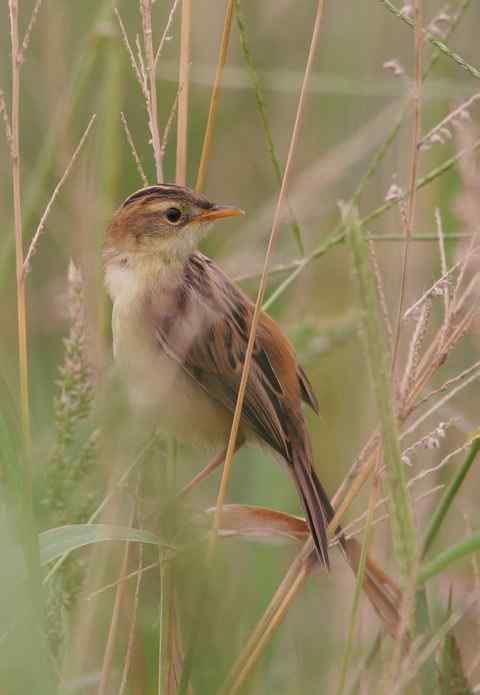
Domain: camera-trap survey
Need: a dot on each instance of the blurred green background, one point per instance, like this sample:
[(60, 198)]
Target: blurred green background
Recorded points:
[(77, 65)]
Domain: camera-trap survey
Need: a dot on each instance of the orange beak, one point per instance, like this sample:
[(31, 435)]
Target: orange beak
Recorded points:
[(217, 212)]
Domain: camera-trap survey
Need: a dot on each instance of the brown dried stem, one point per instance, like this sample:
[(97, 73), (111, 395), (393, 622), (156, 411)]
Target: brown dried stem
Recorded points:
[(165, 32), (183, 86), (133, 150), (133, 622), (28, 33), (152, 108), (117, 607), (263, 279), (41, 225), (212, 111), (410, 217)]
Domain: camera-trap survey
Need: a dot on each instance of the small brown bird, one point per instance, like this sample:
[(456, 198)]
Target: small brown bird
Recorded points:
[(180, 332)]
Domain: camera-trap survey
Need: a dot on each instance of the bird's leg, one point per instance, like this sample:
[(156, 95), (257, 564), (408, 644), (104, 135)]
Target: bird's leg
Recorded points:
[(209, 468)]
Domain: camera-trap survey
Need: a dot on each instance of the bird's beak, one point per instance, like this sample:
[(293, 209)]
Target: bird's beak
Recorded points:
[(217, 212)]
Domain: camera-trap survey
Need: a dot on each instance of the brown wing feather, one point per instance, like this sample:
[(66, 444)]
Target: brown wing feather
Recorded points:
[(204, 326), (308, 394)]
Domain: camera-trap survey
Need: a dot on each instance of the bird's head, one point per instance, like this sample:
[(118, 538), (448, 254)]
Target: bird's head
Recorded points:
[(166, 221)]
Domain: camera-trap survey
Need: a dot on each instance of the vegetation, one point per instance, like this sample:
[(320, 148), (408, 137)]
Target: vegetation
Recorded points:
[(350, 135)]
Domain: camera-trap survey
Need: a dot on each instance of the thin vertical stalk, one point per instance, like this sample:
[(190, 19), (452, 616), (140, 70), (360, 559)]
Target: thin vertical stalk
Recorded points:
[(167, 589), (412, 195), (122, 587), (212, 111), (165, 646), (28, 530), (146, 11), (19, 255), (263, 280), (183, 96)]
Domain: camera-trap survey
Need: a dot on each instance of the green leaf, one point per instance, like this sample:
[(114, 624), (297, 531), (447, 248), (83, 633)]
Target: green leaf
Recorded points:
[(400, 505), (447, 557), (58, 541), (449, 496)]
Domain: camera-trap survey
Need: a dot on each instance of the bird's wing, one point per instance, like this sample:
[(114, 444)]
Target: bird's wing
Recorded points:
[(306, 390), (204, 327), (206, 332)]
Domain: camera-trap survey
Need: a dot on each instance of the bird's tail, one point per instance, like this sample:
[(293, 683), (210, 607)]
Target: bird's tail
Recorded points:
[(382, 591), (314, 498)]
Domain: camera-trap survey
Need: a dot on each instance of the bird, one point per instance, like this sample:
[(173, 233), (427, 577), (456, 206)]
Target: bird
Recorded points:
[(180, 330)]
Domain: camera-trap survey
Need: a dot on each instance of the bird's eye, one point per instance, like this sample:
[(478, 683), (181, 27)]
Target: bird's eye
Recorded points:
[(173, 215)]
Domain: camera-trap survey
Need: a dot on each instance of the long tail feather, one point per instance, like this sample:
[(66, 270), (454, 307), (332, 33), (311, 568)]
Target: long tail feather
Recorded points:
[(315, 500)]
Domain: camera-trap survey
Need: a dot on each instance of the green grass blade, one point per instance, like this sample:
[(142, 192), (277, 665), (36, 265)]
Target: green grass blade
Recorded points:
[(399, 502), (448, 497), (447, 557), (57, 541)]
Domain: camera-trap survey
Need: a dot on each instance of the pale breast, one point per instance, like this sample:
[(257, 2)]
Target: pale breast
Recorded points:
[(158, 388)]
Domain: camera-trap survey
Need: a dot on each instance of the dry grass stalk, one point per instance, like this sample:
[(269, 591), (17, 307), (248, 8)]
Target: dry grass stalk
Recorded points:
[(41, 225), (133, 150), (152, 108), (144, 67), (168, 126), (350, 529), (450, 382), (382, 591), (112, 633), (263, 280), (133, 622), (410, 217), (439, 404), (135, 573), (212, 110), (184, 90), (28, 33), (441, 131), (165, 32), (434, 290), (6, 122), (139, 74), (429, 441)]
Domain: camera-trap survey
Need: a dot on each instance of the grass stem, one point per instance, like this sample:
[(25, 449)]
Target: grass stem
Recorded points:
[(214, 98), (183, 95), (263, 280)]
